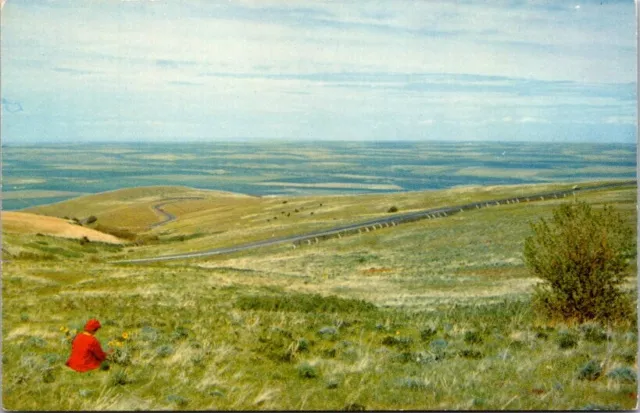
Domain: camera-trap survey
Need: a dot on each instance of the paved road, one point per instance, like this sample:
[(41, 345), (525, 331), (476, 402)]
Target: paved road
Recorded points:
[(382, 222), (168, 216)]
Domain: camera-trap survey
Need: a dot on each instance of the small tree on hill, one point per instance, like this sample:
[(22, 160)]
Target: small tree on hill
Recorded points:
[(582, 256)]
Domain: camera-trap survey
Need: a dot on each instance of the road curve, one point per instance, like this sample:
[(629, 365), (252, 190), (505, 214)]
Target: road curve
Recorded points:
[(168, 216), (392, 220)]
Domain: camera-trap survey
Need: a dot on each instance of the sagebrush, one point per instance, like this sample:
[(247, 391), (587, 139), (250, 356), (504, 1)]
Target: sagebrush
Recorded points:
[(582, 255)]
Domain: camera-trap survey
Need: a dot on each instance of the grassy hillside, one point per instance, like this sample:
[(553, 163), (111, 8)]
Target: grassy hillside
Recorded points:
[(26, 223), (432, 314), (220, 219), (129, 208)]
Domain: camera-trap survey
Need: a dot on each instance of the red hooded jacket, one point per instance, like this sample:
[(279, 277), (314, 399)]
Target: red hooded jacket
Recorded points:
[(86, 353)]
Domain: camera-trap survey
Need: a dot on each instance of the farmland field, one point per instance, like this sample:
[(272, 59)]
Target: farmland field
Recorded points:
[(36, 175)]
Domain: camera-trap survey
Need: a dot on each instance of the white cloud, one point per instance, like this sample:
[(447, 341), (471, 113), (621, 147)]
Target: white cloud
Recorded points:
[(620, 120), (177, 61), (531, 119)]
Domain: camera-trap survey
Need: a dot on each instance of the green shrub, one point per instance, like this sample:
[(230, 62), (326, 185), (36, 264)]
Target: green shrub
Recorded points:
[(178, 400), (627, 356), (307, 371), (91, 219), (179, 333), (47, 375), (121, 356), (164, 350), (51, 358), (470, 354), (582, 256), (439, 344), (590, 371), (427, 333), (593, 332), (393, 209), (438, 348), (302, 345), (472, 337), (623, 374), (329, 353), (149, 334), (402, 342), (280, 346), (542, 335), (119, 378), (567, 340), (34, 341)]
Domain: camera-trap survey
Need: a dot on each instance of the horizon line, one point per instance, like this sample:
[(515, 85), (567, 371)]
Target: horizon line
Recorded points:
[(305, 141)]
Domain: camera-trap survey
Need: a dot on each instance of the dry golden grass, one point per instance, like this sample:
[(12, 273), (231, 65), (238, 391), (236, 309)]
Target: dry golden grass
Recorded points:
[(130, 208), (25, 223)]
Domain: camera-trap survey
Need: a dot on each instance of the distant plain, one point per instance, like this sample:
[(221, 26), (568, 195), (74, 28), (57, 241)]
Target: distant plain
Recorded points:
[(36, 175)]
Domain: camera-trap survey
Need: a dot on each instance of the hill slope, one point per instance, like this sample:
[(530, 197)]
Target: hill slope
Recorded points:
[(130, 208), (26, 223), (384, 320)]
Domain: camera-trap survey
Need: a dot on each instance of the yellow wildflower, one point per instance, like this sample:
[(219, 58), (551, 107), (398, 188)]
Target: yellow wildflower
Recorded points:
[(397, 333), (125, 335), (62, 328)]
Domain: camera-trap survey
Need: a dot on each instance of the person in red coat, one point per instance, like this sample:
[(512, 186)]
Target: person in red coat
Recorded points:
[(86, 352)]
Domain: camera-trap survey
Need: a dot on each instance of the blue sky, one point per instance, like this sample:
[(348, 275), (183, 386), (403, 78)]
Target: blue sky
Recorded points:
[(169, 70)]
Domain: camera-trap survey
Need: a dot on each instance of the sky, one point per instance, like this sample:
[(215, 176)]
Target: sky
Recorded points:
[(170, 70)]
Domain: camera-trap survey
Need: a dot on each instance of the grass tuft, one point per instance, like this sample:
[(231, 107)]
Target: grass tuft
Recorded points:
[(119, 378), (473, 337), (590, 371), (178, 400), (307, 371), (567, 340), (623, 374), (593, 332), (165, 350)]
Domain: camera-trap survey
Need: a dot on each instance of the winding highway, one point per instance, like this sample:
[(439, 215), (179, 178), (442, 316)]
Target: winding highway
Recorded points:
[(382, 222), (168, 216)]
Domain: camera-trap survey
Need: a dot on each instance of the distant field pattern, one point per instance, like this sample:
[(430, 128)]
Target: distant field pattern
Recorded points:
[(36, 175)]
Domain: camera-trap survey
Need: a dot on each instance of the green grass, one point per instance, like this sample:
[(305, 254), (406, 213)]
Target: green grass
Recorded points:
[(433, 315)]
